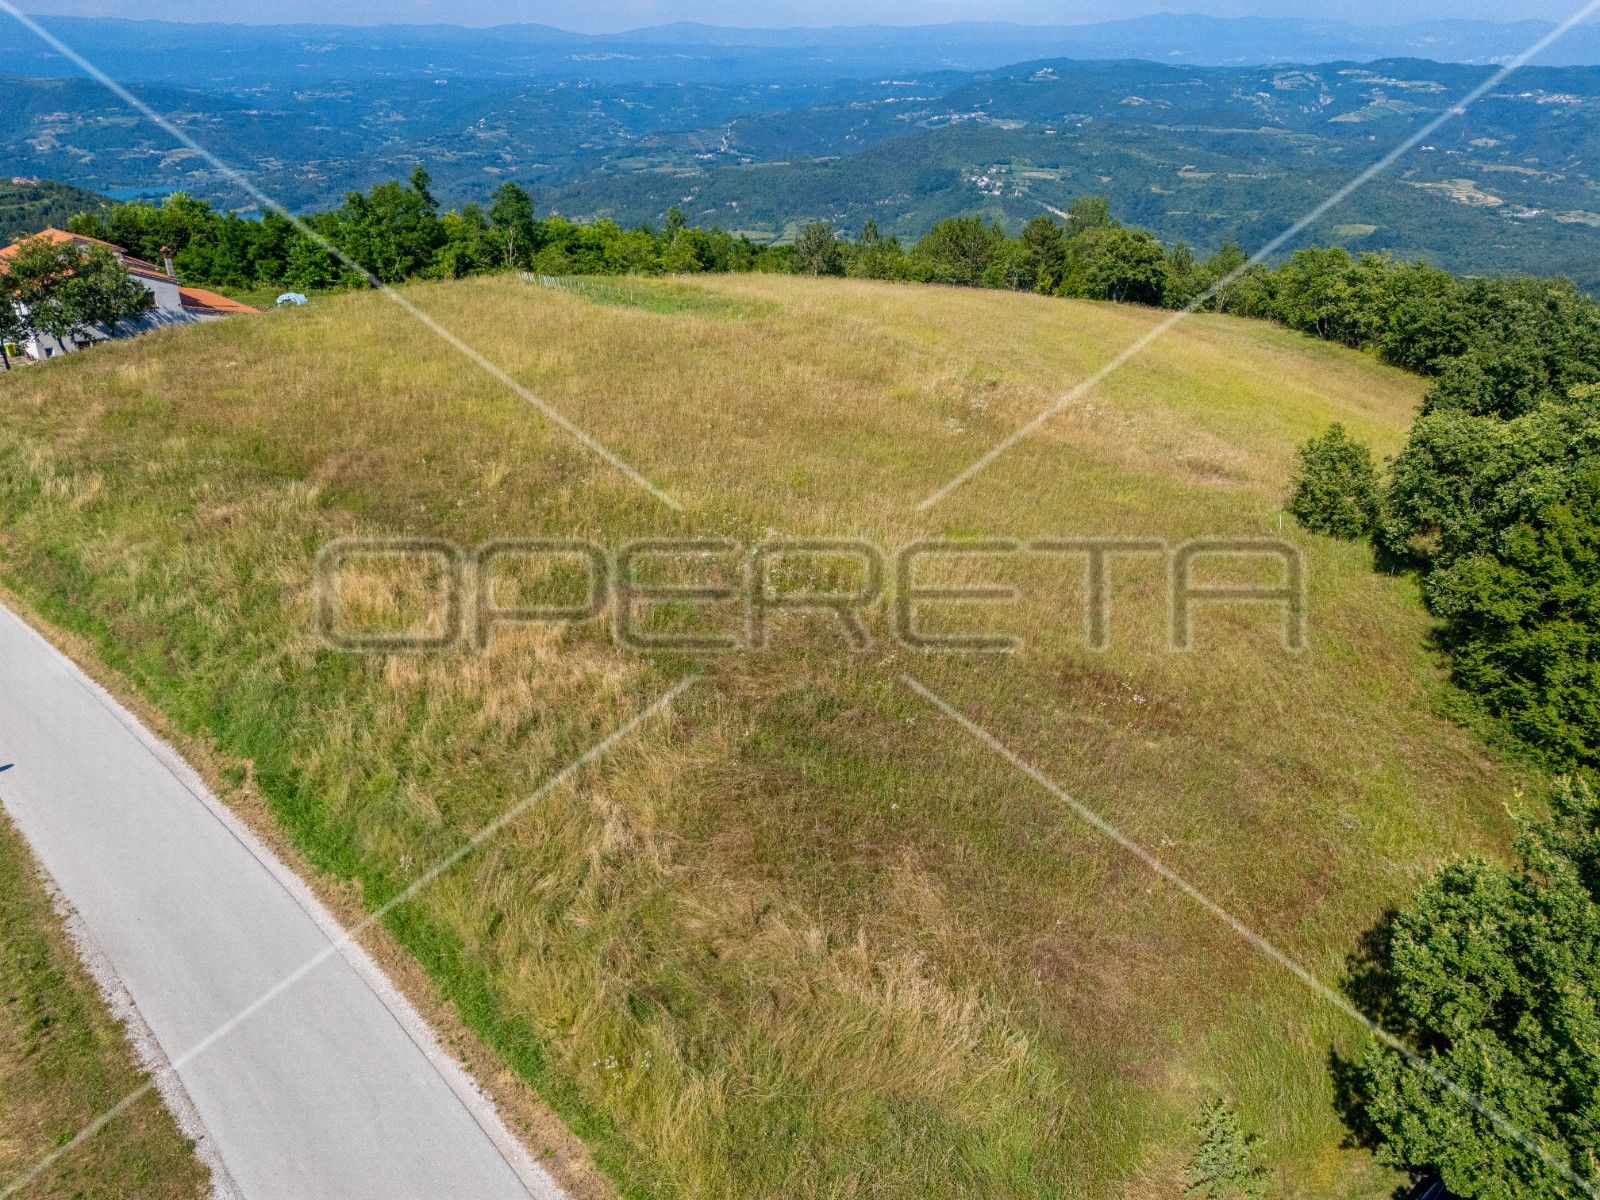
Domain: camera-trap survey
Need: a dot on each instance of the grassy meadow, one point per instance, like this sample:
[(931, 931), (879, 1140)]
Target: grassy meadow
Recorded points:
[(802, 936), (64, 1061)]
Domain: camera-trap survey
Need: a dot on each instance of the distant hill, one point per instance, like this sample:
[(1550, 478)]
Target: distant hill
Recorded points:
[(763, 130), (1198, 154), (220, 55), (29, 205)]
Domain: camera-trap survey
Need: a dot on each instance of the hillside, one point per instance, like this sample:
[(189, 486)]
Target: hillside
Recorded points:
[(1203, 154), (1199, 155), (29, 205), (805, 936)]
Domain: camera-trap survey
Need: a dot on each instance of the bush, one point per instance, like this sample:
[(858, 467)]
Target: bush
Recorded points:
[(1336, 489), (1493, 980), (1227, 1164)]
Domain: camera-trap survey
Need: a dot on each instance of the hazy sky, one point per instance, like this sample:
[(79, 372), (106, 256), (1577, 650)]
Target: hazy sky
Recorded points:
[(611, 15)]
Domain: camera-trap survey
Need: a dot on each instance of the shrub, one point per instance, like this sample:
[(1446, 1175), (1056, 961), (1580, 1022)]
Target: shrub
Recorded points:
[(1227, 1164), (1493, 980), (1336, 489)]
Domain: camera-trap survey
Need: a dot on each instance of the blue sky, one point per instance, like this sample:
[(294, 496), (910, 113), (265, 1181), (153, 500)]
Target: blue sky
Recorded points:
[(610, 15)]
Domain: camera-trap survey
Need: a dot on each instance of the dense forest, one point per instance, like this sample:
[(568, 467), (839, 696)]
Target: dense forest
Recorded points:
[(29, 205)]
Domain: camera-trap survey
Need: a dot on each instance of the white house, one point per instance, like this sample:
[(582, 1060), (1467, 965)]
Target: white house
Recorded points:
[(174, 303)]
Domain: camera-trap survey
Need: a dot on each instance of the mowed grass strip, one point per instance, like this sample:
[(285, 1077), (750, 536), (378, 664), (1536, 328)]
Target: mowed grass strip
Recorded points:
[(803, 938), (64, 1060)]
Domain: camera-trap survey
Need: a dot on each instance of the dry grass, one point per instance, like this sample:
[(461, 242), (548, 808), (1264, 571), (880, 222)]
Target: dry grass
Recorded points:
[(64, 1060), (803, 938)]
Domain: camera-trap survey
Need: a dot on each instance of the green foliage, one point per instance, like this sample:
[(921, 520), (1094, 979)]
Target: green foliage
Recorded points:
[(1503, 516), (958, 251), (69, 290), (1111, 262), (1047, 246), (13, 324), (395, 232), (1227, 1165), (1336, 487), (1493, 979), (1011, 266), (817, 251), (875, 256), (511, 217)]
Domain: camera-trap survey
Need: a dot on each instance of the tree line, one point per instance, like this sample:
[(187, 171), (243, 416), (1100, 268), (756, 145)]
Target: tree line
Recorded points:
[(396, 232)]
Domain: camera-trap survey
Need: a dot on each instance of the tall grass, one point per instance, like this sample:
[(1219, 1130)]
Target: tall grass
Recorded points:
[(804, 938)]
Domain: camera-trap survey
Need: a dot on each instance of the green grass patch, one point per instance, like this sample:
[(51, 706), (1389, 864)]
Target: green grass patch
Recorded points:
[(64, 1061), (664, 296)]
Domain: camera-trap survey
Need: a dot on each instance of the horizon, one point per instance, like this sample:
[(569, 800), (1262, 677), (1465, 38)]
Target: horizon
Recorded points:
[(633, 16)]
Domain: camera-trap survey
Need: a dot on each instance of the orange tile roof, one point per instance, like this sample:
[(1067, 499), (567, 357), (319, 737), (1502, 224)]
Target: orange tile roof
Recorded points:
[(56, 237), (189, 297), (216, 302)]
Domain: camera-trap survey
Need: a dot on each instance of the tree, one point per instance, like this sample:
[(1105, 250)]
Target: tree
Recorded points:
[(876, 256), (311, 266), (1242, 289), (1227, 1165), (958, 250), (1522, 624), (1492, 979), (511, 217), (1321, 291), (816, 251), (14, 327), (1047, 245), (70, 290), (1502, 517), (1110, 262), (471, 244), (392, 231), (422, 184), (1336, 488), (1187, 278), (631, 252), (1011, 266)]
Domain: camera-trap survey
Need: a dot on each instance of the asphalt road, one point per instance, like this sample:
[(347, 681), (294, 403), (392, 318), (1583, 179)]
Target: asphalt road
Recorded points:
[(332, 1089)]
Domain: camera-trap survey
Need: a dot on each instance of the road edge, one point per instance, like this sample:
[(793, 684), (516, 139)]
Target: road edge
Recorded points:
[(272, 848), (147, 1051)]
